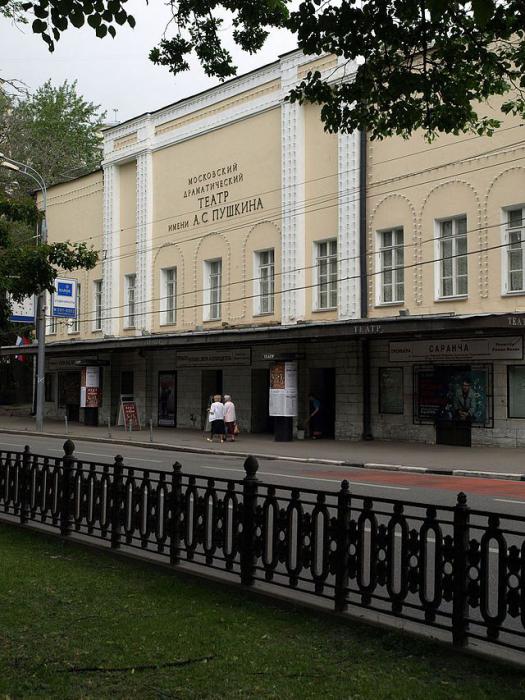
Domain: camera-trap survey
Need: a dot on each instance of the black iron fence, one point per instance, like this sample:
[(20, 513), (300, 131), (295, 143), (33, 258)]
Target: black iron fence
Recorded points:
[(452, 568)]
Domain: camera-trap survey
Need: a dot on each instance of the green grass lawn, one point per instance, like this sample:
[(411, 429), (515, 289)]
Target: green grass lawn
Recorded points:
[(66, 609)]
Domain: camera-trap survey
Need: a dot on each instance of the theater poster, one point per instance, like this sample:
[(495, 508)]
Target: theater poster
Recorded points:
[(283, 389), (453, 393)]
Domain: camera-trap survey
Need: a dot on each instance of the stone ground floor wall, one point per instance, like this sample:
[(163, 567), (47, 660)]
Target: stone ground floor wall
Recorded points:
[(342, 361), (506, 432), (245, 383)]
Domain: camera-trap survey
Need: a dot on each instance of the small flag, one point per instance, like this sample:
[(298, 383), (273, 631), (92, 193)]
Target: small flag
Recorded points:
[(21, 341)]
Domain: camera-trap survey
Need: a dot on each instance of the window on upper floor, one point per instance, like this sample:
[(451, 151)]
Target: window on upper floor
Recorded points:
[(264, 283), (514, 243), (97, 305), (212, 289), (130, 316), (74, 324), (168, 302), (326, 270), (391, 262), (452, 254)]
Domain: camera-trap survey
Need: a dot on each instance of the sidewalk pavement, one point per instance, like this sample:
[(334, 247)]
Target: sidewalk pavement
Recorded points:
[(493, 462)]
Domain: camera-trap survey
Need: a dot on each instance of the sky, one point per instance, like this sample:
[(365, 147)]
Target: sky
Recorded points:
[(116, 73)]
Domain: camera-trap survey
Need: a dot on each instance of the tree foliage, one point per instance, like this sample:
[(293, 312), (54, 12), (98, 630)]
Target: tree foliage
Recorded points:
[(411, 64), (26, 267), (55, 130), (415, 63)]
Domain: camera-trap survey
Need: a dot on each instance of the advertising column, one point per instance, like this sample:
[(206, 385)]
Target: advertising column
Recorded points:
[(283, 398), (90, 394)]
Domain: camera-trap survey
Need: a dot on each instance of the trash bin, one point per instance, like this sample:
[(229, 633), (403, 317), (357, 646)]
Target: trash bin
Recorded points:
[(452, 432), (91, 416)]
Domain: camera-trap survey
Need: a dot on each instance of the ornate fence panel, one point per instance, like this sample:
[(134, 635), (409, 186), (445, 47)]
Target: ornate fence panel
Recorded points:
[(456, 569), (400, 560)]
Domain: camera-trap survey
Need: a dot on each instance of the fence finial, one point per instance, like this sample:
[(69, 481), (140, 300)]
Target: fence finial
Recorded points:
[(462, 499), (251, 465), (69, 448)]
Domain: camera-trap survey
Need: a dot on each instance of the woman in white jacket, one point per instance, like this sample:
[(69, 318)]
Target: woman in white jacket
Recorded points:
[(216, 418), (229, 417)]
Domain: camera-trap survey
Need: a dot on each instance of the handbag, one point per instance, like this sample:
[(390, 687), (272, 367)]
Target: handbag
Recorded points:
[(236, 429)]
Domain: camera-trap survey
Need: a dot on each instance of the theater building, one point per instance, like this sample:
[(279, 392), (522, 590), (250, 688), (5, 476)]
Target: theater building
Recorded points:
[(445, 244), (235, 233)]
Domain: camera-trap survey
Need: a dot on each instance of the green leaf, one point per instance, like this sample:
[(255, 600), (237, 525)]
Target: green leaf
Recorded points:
[(39, 26), (483, 11)]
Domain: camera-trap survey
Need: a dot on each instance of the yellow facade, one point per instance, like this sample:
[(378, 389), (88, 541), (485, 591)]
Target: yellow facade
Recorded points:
[(198, 182), (74, 213), (416, 185)]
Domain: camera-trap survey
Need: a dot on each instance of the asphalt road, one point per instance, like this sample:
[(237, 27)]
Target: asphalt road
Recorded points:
[(502, 496)]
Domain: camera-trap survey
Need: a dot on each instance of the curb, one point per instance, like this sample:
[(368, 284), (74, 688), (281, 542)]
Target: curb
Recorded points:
[(478, 474)]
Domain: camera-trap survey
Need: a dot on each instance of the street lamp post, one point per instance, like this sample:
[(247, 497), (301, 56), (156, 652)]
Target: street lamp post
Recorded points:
[(27, 170)]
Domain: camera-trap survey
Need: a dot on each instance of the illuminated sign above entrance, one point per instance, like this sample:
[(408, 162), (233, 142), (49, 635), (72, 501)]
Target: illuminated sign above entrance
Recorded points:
[(504, 348)]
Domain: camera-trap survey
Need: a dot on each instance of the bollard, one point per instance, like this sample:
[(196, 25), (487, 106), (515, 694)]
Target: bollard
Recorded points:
[(109, 427), (116, 502), (460, 572), (66, 424), (151, 429), (343, 542), (68, 461), (176, 511), (248, 555), (25, 484)]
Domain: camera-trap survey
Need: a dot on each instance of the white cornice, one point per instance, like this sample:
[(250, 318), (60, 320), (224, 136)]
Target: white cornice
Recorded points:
[(143, 127)]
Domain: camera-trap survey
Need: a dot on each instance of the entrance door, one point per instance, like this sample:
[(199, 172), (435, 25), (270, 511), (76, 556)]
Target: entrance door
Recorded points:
[(322, 386), (211, 383), (69, 394), (167, 415), (262, 422), (127, 383)]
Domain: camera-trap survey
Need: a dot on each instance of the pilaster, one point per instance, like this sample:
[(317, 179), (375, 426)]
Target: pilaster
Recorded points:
[(293, 199), (144, 283), (111, 261), (348, 248)]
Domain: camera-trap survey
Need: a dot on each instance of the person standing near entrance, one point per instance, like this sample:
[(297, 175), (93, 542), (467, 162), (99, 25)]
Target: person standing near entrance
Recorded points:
[(315, 418), (465, 402), (216, 418), (230, 417)]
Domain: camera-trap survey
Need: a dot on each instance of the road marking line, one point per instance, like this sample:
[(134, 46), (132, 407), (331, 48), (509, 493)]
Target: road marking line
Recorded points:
[(308, 478), (136, 459), (506, 500)]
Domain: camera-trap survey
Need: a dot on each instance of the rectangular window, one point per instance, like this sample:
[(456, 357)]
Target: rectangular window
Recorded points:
[(515, 241), (212, 291), (130, 300), (74, 325), (326, 254), (169, 295), (391, 390), (97, 293), (392, 260), (265, 281), (453, 257), (516, 391)]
